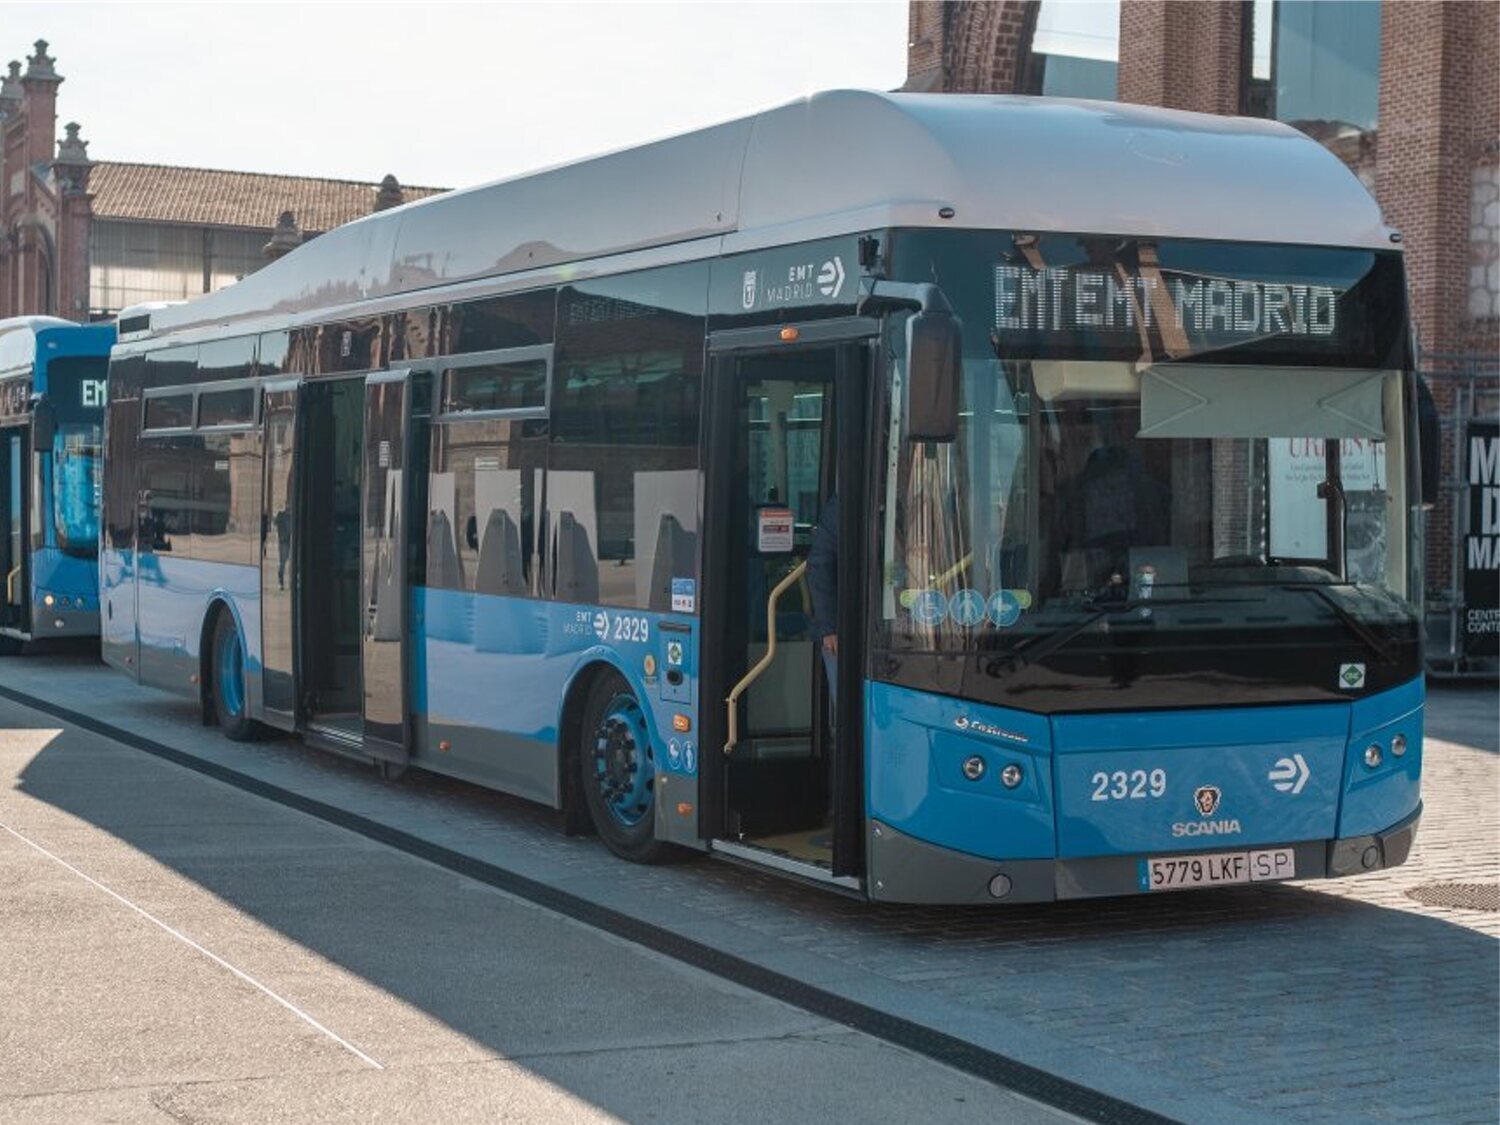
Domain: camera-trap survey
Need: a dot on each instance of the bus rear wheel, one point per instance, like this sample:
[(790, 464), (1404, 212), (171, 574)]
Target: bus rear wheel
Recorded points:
[(619, 771), (227, 682)]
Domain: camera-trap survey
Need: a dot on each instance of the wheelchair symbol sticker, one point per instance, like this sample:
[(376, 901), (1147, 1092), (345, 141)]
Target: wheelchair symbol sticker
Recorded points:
[(929, 607)]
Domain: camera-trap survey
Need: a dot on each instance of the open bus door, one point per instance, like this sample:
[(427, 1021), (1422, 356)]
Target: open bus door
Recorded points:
[(389, 486), (15, 521), (278, 555), (782, 747)]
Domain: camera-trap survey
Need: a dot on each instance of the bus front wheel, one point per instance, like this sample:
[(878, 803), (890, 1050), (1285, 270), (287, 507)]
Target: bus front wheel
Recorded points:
[(619, 771), (227, 683)]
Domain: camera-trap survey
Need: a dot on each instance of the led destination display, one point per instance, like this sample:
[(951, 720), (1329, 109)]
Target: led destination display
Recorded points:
[(1066, 300)]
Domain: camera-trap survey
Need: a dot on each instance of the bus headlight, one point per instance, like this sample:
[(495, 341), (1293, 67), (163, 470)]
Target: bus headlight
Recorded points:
[(1398, 745), (973, 767), (1373, 755), (1011, 776), (48, 600)]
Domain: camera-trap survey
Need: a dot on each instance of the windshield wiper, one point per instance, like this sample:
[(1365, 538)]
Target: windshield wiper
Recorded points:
[(1371, 640), (1018, 658)]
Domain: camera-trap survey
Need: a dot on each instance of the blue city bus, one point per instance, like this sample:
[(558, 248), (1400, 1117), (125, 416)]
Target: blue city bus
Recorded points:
[(533, 485), (52, 400)]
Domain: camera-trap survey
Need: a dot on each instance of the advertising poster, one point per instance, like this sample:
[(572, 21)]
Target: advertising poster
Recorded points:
[(1481, 548)]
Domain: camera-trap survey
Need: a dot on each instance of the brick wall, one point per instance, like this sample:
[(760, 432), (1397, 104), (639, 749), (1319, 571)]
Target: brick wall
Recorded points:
[(1182, 54), (1439, 114), (968, 48)]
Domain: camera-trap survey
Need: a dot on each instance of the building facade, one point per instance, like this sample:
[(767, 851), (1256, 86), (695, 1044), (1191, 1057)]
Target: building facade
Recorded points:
[(1405, 92), (84, 238)]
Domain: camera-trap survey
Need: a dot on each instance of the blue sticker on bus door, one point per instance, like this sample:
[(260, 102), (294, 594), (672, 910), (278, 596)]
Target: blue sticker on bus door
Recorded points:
[(684, 595), (1005, 609), (967, 608), (929, 607)]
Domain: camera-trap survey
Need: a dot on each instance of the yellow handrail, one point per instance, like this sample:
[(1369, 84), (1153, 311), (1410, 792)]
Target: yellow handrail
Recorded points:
[(765, 661), (10, 585)]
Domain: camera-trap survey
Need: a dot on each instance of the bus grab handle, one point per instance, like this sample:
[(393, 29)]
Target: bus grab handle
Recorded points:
[(765, 661)]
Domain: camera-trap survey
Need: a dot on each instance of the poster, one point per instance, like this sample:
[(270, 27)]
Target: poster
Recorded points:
[(1481, 547)]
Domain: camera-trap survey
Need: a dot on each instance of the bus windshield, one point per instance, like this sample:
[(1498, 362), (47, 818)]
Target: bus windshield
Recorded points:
[(75, 388), (1178, 490)]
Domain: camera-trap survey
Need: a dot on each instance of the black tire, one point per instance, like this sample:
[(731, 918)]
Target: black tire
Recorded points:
[(10, 646), (614, 750), (226, 682)]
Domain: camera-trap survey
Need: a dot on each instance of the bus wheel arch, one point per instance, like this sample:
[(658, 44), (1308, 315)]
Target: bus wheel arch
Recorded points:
[(617, 770), (575, 810), (222, 640)]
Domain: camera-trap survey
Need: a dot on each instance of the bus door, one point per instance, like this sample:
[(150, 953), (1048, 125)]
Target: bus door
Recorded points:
[(782, 740), (278, 556), (389, 484), (15, 615)]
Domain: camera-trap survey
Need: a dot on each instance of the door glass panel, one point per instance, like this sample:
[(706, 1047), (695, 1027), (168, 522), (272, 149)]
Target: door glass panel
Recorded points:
[(15, 593), (383, 562), (277, 573)]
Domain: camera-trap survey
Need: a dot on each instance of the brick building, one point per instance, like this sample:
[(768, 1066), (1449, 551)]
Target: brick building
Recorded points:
[(1406, 92), (83, 238)]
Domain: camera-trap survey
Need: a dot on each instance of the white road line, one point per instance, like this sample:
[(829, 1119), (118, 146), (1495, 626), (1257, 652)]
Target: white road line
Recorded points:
[(210, 954)]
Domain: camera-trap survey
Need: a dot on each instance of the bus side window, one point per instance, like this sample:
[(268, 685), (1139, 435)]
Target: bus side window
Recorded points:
[(623, 458)]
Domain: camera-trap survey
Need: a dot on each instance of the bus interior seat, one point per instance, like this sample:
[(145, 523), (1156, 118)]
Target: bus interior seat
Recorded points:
[(576, 577), (443, 567), (676, 557), (500, 569)]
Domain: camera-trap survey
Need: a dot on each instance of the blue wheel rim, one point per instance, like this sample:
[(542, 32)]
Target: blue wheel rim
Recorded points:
[(229, 663), (624, 764)]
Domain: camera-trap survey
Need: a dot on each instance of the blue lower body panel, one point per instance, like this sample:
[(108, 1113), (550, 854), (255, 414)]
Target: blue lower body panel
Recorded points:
[(1131, 785)]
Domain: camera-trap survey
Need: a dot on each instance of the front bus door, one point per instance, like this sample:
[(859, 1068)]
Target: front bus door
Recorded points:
[(782, 740), (15, 610), (384, 566)]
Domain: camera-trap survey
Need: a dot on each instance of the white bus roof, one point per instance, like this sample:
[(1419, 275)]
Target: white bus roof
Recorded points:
[(18, 339), (836, 163)]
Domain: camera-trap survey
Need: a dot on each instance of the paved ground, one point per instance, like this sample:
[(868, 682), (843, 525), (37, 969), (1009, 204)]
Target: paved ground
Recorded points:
[(1345, 1001), (172, 949)]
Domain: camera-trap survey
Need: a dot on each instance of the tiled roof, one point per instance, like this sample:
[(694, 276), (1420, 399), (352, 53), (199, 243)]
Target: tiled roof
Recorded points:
[(158, 193)]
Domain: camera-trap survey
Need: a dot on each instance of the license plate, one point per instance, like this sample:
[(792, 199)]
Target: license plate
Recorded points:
[(1175, 873)]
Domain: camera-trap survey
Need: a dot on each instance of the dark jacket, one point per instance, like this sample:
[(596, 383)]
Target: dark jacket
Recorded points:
[(823, 571)]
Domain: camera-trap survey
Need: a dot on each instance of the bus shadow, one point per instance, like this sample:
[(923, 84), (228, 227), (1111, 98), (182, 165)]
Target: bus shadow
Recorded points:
[(1251, 971)]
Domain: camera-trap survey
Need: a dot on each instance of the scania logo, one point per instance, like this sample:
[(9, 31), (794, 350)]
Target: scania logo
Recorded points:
[(1206, 828), (963, 722), (1206, 799)]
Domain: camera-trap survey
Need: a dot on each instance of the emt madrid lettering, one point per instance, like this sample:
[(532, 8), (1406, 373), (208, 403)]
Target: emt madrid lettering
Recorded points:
[(1065, 300)]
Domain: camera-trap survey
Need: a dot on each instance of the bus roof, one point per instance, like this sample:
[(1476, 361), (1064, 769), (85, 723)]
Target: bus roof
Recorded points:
[(19, 334), (837, 163)]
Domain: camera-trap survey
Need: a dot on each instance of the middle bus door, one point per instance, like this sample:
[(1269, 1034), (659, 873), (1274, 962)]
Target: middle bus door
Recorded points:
[(385, 568), (279, 555)]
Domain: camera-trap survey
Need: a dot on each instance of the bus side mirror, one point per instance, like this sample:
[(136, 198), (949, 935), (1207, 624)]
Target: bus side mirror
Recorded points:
[(934, 368), (1429, 444), (43, 424)]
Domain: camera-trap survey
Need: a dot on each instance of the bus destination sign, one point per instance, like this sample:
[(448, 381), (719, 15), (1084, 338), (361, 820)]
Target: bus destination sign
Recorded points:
[(1064, 300)]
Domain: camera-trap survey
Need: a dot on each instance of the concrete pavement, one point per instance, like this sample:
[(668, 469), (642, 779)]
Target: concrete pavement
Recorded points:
[(1320, 1002), (172, 949)]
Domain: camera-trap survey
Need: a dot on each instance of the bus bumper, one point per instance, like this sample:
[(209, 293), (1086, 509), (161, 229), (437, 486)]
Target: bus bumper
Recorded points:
[(904, 869), (49, 622)]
